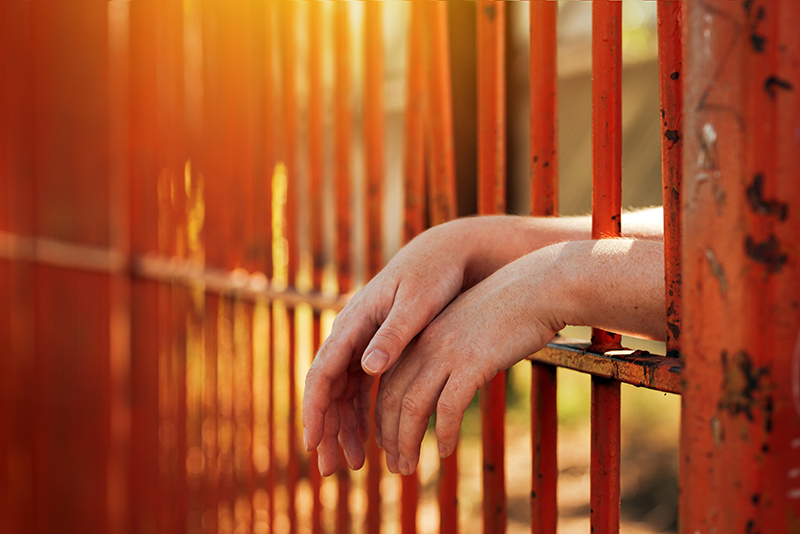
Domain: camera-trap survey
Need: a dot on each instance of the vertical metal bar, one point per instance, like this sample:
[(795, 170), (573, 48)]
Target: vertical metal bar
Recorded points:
[(17, 329), (442, 198), (413, 136), (740, 422), (72, 308), (342, 133), (373, 150), (414, 208), (544, 202), (290, 157), (606, 222), (491, 24), (670, 62), (316, 175)]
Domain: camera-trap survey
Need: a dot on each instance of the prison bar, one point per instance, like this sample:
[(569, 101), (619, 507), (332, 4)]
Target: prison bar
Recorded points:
[(740, 427), (544, 202), (181, 452), (670, 63), (606, 222), (491, 18)]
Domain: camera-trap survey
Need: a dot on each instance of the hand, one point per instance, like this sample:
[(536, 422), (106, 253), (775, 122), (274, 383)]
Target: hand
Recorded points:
[(370, 334), (487, 329)]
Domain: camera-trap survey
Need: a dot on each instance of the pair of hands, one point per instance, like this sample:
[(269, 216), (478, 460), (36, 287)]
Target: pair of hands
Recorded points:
[(433, 336)]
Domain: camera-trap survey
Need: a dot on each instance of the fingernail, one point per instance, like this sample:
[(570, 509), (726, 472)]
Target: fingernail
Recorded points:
[(321, 466), (305, 439), (391, 464), (405, 468), (375, 361), (348, 459), (378, 440), (442, 450)]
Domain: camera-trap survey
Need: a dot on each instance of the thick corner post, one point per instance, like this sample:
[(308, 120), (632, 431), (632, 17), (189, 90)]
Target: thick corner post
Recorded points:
[(740, 436)]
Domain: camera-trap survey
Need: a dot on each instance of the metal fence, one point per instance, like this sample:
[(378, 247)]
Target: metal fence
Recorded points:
[(164, 256)]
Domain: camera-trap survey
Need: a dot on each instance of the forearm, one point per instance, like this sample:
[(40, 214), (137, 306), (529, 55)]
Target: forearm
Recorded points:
[(490, 242), (613, 284)]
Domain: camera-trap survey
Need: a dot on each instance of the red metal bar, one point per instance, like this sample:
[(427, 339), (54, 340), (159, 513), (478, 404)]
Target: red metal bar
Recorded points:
[(373, 150), (670, 61), (606, 222), (316, 153), (442, 197), (414, 209), (17, 367), (343, 111), (491, 27), (740, 423), (413, 136), (544, 202), (289, 135)]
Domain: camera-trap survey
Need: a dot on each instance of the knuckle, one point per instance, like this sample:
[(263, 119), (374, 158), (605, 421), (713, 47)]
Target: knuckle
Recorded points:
[(411, 406), (392, 336), (389, 399)]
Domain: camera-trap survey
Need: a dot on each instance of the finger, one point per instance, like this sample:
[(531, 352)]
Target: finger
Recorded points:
[(329, 445), (378, 414), (456, 396), (411, 311), (391, 464), (348, 434), (418, 405), (329, 367), (390, 398), (363, 403)]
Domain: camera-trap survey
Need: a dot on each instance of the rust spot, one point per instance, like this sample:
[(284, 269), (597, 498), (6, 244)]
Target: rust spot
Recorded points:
[(675, 329), (672, 135), (490, 12), (761, 205), (717, 271), (755, 498), (759, 42), (768, 252), (675, 75), (745, 387), (773, 83)]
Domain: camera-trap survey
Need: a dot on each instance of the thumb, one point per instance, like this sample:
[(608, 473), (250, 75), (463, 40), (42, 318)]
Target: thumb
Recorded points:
[(406, 319)]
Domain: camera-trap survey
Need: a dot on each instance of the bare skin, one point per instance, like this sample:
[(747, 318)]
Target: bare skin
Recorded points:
[(460, 303)]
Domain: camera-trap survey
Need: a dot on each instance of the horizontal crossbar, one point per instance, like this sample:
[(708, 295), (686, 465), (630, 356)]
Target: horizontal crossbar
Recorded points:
[(636, 367)]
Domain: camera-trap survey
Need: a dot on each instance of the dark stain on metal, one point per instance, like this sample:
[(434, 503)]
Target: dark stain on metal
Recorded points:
[(755, 499), (744, 386), (490, 11), (751, 527), (759, 204), (675, 329), (671, 309), (717, 271), (773, 83), (675, 75), (758, 41), (672, 135), (767, 252)]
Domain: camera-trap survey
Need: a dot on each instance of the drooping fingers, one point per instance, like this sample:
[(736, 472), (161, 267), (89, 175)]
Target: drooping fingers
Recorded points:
[(391, 393), (418, 405), (348, 434), (454, 400), (328, 448)]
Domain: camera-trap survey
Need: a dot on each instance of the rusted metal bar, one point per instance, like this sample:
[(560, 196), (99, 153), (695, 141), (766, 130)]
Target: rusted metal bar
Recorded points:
[(670, 62), (740, 422), (606, 222), (544, 202), (343, 111), (316, 175), (414, 187), (491, 27), (635, 367), (441, 196), (413, 137), (373, 150), (544, 109), (289, 136)]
